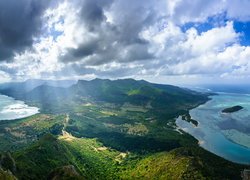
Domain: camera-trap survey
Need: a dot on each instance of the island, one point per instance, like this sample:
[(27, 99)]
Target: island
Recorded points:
[(232, 109)]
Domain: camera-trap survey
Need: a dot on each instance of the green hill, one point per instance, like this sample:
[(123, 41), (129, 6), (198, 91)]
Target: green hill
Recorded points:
[(82, 158), (103, 129), (166, 99), (183, 163), (65, 173), (38, 160)]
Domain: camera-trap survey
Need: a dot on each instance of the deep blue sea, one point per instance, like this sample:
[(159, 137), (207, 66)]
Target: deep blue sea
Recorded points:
[(227, 135)]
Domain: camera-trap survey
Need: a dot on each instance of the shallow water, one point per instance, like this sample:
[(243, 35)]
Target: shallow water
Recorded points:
[(227, 135), (12, 109)]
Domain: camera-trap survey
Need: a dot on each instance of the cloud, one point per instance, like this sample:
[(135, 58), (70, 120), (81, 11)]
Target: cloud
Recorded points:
[(111, 32), (4, 77), (238, 9), (20, 23), (184, 11), (197, 53), (117, 38)]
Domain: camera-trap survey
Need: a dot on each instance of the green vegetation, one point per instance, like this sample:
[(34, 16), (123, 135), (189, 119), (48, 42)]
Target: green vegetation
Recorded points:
[(104, 129), (86, 158), (17, 134), (183, 163), (6, 175), (65, 173), (39, 159)]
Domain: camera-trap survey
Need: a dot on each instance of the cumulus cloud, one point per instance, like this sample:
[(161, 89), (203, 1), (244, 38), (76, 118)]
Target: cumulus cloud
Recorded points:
[(117, 38), (110, 31)]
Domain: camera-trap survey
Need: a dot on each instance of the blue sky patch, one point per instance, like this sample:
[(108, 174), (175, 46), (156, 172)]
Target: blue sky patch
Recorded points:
[(244, 29)]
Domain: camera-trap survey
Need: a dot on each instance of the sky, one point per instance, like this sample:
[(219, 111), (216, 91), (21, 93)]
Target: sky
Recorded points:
[(162, 41)]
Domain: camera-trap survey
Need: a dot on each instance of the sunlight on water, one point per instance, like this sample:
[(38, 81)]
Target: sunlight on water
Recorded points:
[(13, 109)]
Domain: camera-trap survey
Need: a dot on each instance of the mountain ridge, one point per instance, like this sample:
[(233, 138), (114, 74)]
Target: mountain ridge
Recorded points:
[(109, 129)]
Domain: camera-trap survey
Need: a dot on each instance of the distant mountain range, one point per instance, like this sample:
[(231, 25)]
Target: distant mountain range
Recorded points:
[(51, 93), (20, 89)]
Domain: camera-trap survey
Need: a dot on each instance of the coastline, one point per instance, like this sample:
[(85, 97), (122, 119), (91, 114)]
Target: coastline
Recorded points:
[(205, 143), (16, 109)]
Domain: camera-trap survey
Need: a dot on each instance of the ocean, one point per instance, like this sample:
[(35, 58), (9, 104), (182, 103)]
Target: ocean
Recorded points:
[(13, 109), (227, 135)]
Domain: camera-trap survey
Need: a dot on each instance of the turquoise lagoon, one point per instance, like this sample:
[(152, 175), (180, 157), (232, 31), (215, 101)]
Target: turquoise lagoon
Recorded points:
[(227, 135)]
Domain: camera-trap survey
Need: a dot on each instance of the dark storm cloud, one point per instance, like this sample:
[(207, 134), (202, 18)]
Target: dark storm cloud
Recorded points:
[(115, 40), (83, 50), (20, 21), (92, 13)]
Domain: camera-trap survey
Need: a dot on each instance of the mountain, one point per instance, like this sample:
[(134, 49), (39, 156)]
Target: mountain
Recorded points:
[(65, 172), (104, 129), (183, 163), (39, 160), (19, 89), (166, 99), (68, 157), (137, 92)]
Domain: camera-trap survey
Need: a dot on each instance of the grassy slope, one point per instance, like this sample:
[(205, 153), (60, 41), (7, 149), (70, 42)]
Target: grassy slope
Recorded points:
[(183, 163), (92, 160), (89, 157), (39, 159)]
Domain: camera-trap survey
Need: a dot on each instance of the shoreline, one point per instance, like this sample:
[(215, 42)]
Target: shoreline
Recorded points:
[(23, 110), (200, 142)]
